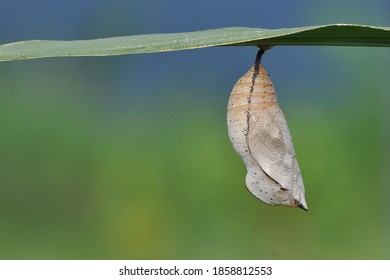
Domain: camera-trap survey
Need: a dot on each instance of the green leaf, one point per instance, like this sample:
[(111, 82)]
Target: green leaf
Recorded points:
[(325, 35)]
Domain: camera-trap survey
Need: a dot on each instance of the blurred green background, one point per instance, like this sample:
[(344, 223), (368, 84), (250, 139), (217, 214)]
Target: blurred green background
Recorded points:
[(128, 157)]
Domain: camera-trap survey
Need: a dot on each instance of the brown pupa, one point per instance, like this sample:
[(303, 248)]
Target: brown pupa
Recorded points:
[(259, 133)]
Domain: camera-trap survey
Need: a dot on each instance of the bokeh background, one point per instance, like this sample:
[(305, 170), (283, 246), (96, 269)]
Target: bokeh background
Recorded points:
[(128, 157)]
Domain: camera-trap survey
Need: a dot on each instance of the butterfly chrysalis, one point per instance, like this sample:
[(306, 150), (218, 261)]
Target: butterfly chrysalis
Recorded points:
[(259, 134)]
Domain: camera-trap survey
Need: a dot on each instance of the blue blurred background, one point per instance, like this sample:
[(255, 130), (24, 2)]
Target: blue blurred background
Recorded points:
[(128, 157)]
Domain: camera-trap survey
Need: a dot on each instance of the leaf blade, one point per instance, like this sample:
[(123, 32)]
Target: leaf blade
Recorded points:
[(326, 35)]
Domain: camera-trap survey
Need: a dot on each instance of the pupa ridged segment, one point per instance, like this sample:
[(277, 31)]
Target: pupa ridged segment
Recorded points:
[(259, 134)]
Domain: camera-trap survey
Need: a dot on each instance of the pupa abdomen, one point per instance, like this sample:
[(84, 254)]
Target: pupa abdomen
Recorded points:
[(258, 131)]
